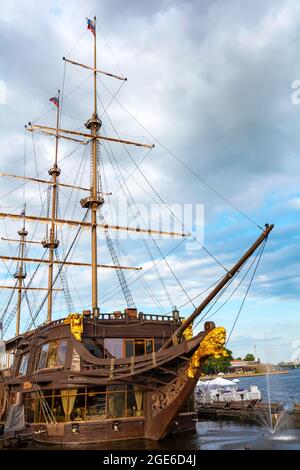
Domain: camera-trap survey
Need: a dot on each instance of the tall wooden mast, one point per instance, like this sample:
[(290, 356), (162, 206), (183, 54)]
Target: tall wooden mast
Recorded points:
[(20, 275), (95, 200), (52, 242)]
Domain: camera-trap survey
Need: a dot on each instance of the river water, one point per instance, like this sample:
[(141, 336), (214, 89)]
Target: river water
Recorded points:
[(225, 435), (283, 387)]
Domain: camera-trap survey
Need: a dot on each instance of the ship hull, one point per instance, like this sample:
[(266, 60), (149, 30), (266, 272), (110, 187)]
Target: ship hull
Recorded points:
[(92, 400)]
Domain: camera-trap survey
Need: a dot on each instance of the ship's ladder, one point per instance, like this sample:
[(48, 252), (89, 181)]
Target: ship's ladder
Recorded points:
[(47, 412)]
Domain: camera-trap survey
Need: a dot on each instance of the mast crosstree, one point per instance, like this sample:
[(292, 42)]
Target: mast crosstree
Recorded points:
[(92, 202)]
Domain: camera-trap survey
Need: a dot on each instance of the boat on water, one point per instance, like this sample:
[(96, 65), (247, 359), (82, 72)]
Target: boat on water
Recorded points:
[(91, 376)]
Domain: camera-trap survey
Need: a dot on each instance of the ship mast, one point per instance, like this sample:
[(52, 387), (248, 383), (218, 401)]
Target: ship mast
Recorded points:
[(95, 200), (52, 242), (96, 196)]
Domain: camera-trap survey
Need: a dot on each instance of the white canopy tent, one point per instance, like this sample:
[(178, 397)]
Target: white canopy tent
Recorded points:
[(220, 382)]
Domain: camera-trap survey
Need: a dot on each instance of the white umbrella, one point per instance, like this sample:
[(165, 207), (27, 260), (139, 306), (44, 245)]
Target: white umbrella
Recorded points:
[(202, 384), (220, 382)]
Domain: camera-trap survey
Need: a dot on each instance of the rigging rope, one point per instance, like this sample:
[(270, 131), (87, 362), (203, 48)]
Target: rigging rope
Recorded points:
[(221, 293), (139, 214), (160, 198), (59, 270), (236, 288), (184, 164), (246, 293)]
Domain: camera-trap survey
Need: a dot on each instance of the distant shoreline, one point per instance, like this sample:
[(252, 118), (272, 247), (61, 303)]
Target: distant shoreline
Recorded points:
[(234, 376)]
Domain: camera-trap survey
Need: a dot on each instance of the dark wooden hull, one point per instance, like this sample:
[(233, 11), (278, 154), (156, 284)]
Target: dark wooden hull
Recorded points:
[(161, 376)]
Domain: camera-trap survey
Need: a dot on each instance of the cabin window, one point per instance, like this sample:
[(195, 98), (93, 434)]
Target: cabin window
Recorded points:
[(43, 356), (138, 347), (85, 404), (23, 364), (96, 404), (129, 348), (52, 354), (92, 404)]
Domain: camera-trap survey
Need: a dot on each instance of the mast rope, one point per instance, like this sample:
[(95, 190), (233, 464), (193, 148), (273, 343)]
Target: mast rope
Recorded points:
[(222, 292), (238, 285), (161, 199), (36, 168), (139, 214), (115, 164), (112, 99), (65, 286), (109, 48), (6, 308), (141, 274), (159, 250), (145, 284), (40, 173), (29, 308), (60, 268), (247, 292)]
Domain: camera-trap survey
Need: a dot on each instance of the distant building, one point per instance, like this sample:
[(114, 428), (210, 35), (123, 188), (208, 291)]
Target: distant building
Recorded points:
[(241, 367)]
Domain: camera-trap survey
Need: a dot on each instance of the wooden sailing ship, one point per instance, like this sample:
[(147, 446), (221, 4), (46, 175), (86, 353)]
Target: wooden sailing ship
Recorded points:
[(95, 377)]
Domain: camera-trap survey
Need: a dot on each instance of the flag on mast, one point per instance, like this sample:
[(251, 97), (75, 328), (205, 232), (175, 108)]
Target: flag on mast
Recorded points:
[(55, 101), (91, 26)]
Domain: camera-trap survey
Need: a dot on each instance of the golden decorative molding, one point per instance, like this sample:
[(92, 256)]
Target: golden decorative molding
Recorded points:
[(212, 345), (76, 322)]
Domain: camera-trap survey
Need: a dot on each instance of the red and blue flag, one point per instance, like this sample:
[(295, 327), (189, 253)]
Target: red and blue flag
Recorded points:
[(91, 26), (55, 101)]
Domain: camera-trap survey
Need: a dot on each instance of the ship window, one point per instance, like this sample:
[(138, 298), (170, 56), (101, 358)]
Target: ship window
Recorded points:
[(149, 346), (23, 364), (129, 348), (61, 352), (52, 354), (43, 356), (138, 347), (92, 404)]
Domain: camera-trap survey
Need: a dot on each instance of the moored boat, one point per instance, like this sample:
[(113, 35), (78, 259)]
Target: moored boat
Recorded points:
[(93, 377)]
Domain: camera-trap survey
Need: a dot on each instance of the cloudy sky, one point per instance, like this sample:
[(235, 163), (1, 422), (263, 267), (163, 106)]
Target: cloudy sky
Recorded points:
[(211, 81)]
